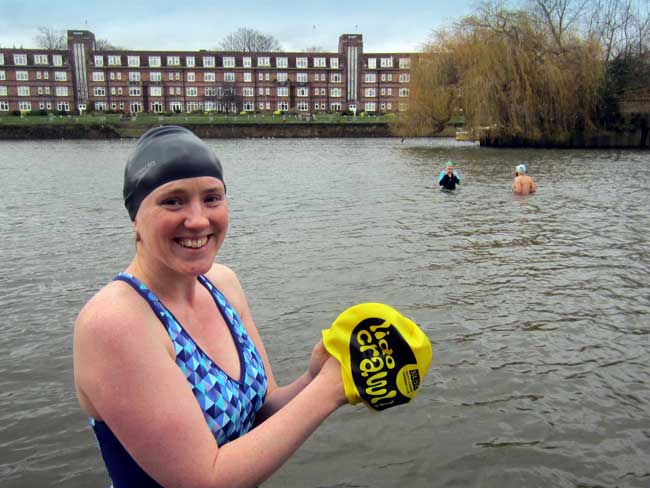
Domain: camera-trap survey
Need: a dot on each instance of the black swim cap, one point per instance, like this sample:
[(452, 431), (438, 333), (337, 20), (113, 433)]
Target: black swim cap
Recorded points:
[(165, 154)]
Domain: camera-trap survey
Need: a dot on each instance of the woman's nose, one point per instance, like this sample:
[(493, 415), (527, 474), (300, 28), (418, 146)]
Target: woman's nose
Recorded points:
[(195, 216)]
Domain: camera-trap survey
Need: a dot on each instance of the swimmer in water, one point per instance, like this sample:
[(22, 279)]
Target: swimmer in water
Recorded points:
[(523, 184), (449, 179), (168, 363)]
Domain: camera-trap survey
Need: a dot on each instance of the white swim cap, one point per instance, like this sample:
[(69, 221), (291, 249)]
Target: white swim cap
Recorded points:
[(521, 169)]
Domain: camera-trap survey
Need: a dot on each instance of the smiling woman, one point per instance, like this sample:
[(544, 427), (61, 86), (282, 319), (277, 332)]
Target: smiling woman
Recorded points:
[(234, 426)]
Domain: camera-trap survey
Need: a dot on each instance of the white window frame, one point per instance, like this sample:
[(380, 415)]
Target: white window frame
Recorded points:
[(154, 62), (155, 76), (248, 77), (209, 62), (302, 62), (282, 76), (134, 76), (247, 91), (334, 63), (133, 61), (372, 63), (386, 62), (228, 61), (190, 61), (60, 76), (283, 91), (98, 76), (25, 106), (320, 62), (61, 91), (192, 91), (229, 76), (302, 91), (336, 92), (404, 63), (281, 62), (173, 60), (210, 77), (263, 61), (155, 91), (20, 59), (301, 77), (191, 77), (57, 59), (22, 75), (41, 59), (135, 91), (23, 91), (114, 60), (247, 62)]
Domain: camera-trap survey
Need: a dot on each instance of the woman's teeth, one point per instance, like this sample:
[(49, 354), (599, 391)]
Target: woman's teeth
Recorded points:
[(193, 243)]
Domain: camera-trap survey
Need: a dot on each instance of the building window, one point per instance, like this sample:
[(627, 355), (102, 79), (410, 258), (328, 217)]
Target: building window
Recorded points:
[(99, 61), (370, 107), (386, 62), (370, 78), (229, 77), (3, 91), (98, 76), (23, 91), (3, 76), (335, 92), (281, 62), (190, 61), (228, 62), (192, 91), (155, 91), (335, 77), (320, 63), (263, 61), (283, 91), (283, 106), (403, 92), (133, 61), (4, 106), (260, 91), (209, 62), (301, 63), (40, 58), (302, 91), (100, 105), (370, 92), (404, 62), (60, 76), (249, 106), (173, 60), (47, 90), (134, 76), (177, 76), (303, 106), (25, 106), (301, 77), (247, 62), (20, 59), (209, 77), (154, 61), (22, 76), (40, 90), (282, 77), (2, 59), (135, 91), (247, 91), (191, 77), (155, 76), (61, 91), (99, 91), (114, 60), (157, 107), (404, 77), (248, 77), (178, 90), (334, 62), (57, 60), (372, 63)]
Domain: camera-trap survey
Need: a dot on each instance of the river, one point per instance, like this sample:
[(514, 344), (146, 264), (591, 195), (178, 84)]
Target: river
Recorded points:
[(537, 307)]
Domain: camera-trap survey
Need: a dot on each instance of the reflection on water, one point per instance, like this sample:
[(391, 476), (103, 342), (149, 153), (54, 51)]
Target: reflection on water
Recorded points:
[(537, 306)]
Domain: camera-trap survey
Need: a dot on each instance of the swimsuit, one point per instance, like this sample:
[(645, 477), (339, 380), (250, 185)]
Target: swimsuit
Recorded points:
[(229, 406)]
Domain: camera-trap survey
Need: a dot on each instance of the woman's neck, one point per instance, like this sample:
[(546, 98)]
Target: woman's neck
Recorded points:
[(164, 282)]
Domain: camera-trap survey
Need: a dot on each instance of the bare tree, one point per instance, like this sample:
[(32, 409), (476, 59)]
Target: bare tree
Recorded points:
[(50, 38), (558, 17), (104, 45), (249, 40)]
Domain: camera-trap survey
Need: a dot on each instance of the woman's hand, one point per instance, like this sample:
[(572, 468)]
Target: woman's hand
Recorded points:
[(318, 357)]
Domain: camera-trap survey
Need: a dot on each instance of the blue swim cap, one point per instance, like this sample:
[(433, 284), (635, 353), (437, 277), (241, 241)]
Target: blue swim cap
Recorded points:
[(165, 154), (521, 169)]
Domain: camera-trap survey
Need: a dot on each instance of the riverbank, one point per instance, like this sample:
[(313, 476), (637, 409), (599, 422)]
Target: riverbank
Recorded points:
[(115, 126)]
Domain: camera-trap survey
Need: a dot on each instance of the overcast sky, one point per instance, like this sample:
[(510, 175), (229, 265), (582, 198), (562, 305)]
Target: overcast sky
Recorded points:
[(400, 26)]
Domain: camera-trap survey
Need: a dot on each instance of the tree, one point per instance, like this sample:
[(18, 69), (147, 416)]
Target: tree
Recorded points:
[(104, 45), (248, 41), (50, 38)]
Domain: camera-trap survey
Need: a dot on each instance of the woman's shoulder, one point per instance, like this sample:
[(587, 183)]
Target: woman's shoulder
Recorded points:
[(113, 307)]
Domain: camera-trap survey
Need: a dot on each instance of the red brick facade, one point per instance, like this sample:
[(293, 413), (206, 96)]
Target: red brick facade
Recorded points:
[(82, 78)]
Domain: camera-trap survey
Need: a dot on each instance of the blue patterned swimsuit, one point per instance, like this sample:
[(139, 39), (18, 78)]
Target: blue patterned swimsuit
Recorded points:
[(229, 406)]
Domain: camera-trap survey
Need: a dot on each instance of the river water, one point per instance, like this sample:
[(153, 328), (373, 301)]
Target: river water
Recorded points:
[(537, 307)]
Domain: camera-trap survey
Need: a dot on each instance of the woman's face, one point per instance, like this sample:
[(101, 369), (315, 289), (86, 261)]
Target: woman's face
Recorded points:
[(182, 224)]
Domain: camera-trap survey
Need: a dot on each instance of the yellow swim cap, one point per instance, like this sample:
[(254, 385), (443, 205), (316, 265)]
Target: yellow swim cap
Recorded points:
[(384, 355)]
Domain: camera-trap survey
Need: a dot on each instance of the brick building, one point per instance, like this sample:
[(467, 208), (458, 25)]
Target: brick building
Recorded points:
[(82, 78)]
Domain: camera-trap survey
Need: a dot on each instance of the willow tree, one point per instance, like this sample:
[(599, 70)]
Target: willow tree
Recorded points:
[(512, 78)]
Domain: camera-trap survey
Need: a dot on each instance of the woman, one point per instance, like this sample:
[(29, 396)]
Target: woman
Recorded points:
[(193, 402)]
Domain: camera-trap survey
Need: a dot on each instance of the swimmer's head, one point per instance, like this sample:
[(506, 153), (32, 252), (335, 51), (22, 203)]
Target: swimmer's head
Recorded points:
[(450, 164), (521, 169), (165, 154)]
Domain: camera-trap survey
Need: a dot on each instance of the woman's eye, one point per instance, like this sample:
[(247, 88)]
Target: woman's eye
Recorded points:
[(171, 202), (213, 199)]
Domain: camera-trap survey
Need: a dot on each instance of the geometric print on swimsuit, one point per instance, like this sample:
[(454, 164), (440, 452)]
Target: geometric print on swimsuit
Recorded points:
[(229, 406)]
